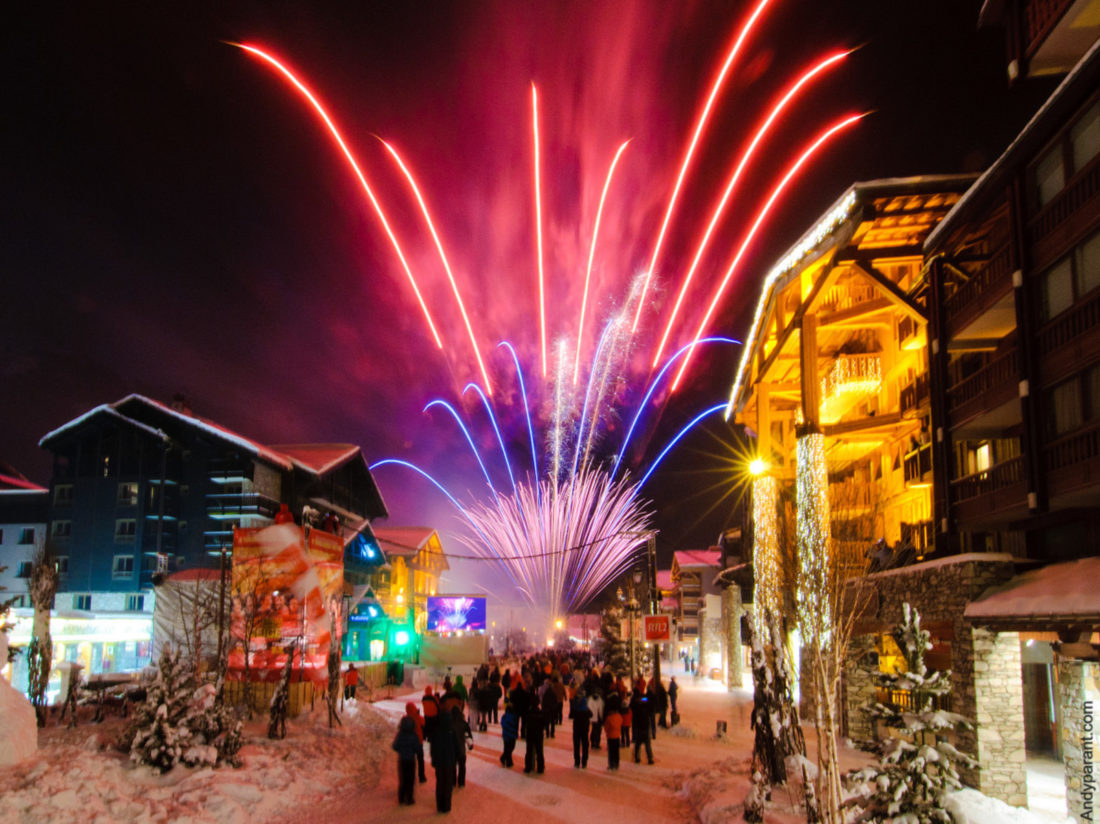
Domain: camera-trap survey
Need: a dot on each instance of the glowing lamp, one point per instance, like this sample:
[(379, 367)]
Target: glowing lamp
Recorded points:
[(558, 623), (757, 467), (401, 638)]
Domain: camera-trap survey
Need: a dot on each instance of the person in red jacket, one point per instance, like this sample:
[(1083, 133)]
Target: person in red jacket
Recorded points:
[(351, 681), (613, 726), (431, 711)]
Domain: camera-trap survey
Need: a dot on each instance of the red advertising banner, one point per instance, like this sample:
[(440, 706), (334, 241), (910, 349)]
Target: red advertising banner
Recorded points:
[(657, 628), (284, 591)]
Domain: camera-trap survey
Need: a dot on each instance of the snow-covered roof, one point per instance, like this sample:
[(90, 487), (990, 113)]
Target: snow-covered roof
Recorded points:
[(694, 558), (664, 579), (1065, 591), (103, 409), (402, 540), (317, 458)]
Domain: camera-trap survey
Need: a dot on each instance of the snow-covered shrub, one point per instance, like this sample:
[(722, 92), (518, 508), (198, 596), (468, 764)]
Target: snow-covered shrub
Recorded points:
[(916, 769), (181, 721)]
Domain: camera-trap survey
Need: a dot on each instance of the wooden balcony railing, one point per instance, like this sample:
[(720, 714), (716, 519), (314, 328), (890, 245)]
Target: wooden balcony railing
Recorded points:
[(1003, 369), (1040, 16), (997, 272), (915, 393), (918, 463), (1083, 445), (1002, 475), (1075, 321), (1069, 201)]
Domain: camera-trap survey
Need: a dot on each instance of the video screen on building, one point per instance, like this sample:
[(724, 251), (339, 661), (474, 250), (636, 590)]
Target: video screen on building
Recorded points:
[(450, 613)]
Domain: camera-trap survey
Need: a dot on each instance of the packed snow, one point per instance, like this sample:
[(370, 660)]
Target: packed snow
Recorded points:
[(349, 774)]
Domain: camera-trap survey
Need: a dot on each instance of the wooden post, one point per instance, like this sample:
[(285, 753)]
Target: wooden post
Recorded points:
[(811, 382)]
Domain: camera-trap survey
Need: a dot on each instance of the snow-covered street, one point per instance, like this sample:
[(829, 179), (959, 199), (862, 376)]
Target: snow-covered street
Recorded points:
[(349, 775)]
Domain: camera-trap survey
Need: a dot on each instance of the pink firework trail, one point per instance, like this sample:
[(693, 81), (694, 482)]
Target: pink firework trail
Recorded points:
[(313, 101), (574, 520), (704, 117)]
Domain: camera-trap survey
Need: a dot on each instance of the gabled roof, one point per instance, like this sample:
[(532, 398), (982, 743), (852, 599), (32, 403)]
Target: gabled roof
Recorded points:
[(317, 458), (664, 579), (104, 409), (695, 558), (403, 541)]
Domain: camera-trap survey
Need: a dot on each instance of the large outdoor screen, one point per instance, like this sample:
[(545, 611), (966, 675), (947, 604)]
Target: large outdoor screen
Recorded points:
[(449, 613)]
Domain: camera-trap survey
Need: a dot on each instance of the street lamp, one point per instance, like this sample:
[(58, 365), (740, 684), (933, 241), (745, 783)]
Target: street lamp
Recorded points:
[(634, 607)]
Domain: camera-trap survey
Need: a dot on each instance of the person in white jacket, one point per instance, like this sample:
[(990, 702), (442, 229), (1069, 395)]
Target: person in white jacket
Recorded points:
[(595, 704)]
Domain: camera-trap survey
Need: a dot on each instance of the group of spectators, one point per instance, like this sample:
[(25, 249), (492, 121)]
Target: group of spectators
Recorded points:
[(539, 695)]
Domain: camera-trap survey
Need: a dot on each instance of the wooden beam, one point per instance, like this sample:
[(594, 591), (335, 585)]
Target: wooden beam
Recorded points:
[(811, 383), (890, 291), (856, 312), (889, 422)]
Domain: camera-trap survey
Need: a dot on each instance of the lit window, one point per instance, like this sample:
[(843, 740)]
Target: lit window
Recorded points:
[(127, 494), (123, 566), (125, 530), (983, 457), (61, 529), (83, 602), (63, 495), (61, 563)]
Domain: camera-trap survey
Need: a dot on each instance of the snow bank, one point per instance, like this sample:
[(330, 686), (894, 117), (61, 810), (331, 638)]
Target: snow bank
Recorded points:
[(969, 806), (18, 726), (78, 781)]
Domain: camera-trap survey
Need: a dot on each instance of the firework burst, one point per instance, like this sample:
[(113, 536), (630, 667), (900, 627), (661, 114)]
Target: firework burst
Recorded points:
[(571, 520)]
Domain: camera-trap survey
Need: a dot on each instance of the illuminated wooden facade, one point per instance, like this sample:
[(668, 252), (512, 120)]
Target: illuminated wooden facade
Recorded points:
[(838, 345), (416, 561)]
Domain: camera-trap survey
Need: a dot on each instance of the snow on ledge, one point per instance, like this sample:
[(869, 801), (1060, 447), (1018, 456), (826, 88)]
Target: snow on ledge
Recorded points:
[(965, 558), (1065, 589)]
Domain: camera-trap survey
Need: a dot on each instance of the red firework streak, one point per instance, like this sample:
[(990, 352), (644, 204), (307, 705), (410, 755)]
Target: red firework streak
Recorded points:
[(760, 217)]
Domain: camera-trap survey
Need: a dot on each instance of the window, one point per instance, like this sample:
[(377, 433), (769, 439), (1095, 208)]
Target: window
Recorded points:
[(1065, 407), (983, 457), (135, 603), (26, 535), (1057, 289), (61, 563), (127, 494), (24, 569), (1087, 263), (63, 495), (125, 530), (61, 529), (123, 567), (82, 602), (1084, 138), (1048, 176)]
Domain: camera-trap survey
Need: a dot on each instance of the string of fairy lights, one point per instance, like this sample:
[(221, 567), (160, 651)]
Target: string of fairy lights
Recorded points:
[(766, 567), (813, 534)]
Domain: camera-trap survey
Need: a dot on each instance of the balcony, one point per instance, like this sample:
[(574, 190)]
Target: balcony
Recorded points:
[(1072, 463), (233, 505), (1040, 18), (987, 401), (982, 307), (849, 380), (917, 466), (1052, 231), (1070, 338), (996, 495), (915, 394)]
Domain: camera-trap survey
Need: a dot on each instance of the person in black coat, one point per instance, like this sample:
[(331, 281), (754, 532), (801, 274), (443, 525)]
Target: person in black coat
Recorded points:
[(582, 716), (535, 728), (407, 744), (640, 713), (463, 733), (444, 751)]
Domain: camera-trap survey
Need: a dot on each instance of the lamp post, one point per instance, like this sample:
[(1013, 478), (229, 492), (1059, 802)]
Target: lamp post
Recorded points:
[(635, 608)]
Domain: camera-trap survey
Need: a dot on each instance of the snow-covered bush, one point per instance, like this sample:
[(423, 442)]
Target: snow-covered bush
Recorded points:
[(917, 765), (181, 721)]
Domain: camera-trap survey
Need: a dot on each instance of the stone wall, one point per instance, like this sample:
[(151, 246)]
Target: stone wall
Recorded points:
[(986, 678), (1077, 712), (859, 688)]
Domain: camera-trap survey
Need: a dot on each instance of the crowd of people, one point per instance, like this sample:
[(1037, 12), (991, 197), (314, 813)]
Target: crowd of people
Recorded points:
[(530, 699)]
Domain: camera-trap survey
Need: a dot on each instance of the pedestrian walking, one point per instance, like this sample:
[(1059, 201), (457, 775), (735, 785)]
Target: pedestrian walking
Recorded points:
[(412, 712), (444, 750), (509, 732), (596, 707), (613, 726), (582, 716), (640, 714), (406, 744), (465, 744), (533, 756), (351, 681)]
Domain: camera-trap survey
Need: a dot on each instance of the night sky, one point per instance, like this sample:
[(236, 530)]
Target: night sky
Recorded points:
[(176, 220)]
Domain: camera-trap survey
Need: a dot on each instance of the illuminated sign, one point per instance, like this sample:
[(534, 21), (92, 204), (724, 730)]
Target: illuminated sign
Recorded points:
[(450, 613)]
